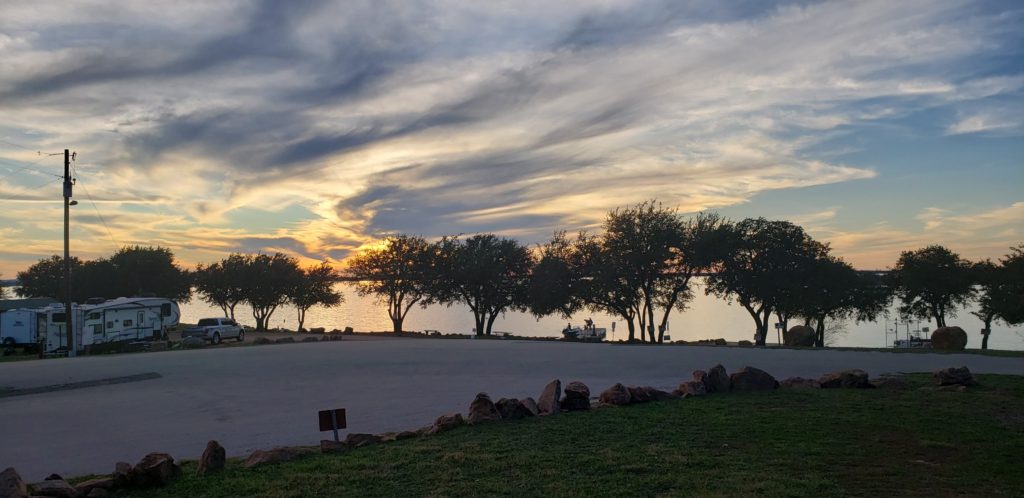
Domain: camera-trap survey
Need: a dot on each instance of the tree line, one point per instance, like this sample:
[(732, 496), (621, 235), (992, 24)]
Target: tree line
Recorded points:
[(640, 267)]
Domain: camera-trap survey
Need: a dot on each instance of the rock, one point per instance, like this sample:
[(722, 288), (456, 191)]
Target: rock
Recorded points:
[(949, 338), (446, 422), (213, 459), (482, 409), (656, 394), (577, 397), (122, 474), (718, 380), (274, 455), (720, 342), (193, 343), (12, 485), (691, 388), (846, 379), (102, 483), (154, 470), (348, 330), (53, 477), (531, 405), (894, 382), (261, 341), (799, 383), (356, 440), (406, 435), (54, 487), (317, 330), (700, 376), (753, 379), (638, 394), (548, 402), (310, 339), (285, 340), (512, 409), (745, 343), (800, 336), (332, 446), (954, 377), (617, 395)]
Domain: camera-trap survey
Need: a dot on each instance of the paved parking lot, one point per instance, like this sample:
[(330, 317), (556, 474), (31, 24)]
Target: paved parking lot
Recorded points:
[(258, 397)]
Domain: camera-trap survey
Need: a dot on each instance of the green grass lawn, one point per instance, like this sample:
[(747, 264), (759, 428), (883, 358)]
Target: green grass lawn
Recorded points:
[(787, 443)]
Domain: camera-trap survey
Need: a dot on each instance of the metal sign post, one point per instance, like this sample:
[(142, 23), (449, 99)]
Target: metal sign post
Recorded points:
[(332, 420)]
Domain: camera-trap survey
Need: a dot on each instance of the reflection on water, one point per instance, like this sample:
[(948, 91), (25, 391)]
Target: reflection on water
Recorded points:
[(707, 317)]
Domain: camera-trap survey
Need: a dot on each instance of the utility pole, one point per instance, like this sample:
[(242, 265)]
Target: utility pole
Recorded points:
[(69, 322)]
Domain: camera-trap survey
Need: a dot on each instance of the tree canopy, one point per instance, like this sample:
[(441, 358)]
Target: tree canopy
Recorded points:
[(399, 273), (224, 282), (270, 278), (932, 282), (315, 287)]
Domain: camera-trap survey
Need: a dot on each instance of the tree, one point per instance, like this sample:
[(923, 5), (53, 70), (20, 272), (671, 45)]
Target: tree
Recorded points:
[(698, 251), (399, 273), (223, 283), (142, 271), (46, 278), (604, 284), (556, 281), (641, 242), (487, 273), (760, 259), (1001, 291), (835, 290), (269, 280), (315, 286), (932, 283)]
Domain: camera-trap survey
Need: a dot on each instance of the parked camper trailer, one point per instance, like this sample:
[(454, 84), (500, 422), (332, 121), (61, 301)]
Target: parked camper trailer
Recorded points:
[(20, 327), (130, 319), (52, 326)]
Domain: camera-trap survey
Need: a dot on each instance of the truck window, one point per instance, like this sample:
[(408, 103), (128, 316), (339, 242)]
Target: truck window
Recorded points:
[(208, 322)]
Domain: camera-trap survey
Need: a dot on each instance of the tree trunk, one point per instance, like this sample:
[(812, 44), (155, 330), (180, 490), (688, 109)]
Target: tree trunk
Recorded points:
[(650, 317), (478, 317), (632, 328), (231, 308), (986, 332), (490, 322), (819, 333), (302, 317)]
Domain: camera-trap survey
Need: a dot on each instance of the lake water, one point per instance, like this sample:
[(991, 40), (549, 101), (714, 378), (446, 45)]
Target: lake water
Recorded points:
[(707, 318)]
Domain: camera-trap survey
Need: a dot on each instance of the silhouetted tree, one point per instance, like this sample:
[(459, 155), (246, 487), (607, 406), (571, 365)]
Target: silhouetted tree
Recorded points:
[(932, 283), (46, 278), (760, 255), (1001, 291), (224, 283), (315, 286), (149, 271), (556, 283), (487, 273), (399, 273), (835, 290), (269, 280), (698, 250)]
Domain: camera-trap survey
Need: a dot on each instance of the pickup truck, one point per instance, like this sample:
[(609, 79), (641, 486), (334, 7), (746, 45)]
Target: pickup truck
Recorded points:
[(215, 329)]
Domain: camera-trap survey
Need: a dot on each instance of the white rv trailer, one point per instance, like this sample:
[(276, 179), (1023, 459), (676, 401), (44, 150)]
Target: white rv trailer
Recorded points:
[(117, 320), (130, 319), (20, 327)]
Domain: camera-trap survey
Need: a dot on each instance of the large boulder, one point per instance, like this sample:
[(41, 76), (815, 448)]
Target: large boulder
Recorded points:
[(955, 377), (446, 422), (700, 376), (531, 405), (845, 379), (482, 409), (85, 488), (155, 470), (800, 336), (577, 397), (122, 474), (58, 488), (691, 388), (752, 379), (12, 485), (637, 394), (717, 380), (616, 395), (949, 338), (213, 459), (512, 409), (549, 400), (275, 455)]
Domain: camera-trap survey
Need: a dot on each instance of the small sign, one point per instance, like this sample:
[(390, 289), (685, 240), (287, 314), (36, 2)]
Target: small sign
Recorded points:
[(332, 420)]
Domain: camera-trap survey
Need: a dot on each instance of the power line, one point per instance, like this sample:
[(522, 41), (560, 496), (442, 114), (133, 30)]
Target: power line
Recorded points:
[(94, 207), (27, 166), (18, 146)]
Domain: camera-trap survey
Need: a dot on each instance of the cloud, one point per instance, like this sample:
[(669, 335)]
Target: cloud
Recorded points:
[(434, 118)]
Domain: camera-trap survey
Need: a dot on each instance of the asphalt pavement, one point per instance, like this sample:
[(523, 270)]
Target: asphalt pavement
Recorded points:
[(251, 398)]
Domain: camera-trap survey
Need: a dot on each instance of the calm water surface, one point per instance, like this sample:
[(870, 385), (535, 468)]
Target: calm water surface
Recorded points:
[(707, 318)]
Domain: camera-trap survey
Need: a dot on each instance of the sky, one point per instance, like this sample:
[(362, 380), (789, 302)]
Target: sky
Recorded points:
[(315, 128)]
